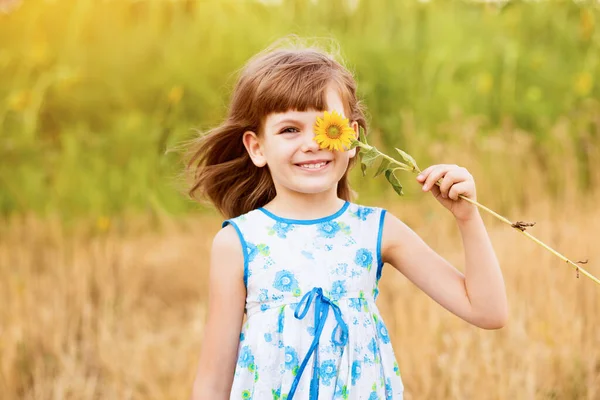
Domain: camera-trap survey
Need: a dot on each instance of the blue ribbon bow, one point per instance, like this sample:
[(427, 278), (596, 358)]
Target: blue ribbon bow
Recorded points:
[(322, 305)]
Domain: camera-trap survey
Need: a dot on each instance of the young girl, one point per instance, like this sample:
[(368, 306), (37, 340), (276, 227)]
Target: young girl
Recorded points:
[(303, 262)]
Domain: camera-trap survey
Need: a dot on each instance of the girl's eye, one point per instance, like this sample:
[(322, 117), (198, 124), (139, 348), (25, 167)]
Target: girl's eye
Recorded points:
[(289, 129)]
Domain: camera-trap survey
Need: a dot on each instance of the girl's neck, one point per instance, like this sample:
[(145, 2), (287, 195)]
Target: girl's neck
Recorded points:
[(305, 207)]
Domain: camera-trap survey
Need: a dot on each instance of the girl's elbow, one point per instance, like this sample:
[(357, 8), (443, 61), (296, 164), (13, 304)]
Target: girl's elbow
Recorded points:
[(495, 321), (493, 325), (490, 318)]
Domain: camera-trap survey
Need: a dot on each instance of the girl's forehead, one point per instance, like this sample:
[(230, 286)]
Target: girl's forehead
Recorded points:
[(308, 116), (276, 118), (334, 103)]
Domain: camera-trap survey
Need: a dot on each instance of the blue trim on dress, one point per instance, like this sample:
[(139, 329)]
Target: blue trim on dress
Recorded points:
[(379, 238), (306, 221), (244, 247)]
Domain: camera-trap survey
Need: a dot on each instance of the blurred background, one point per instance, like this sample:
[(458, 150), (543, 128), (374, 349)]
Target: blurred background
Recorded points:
[(103, 259)]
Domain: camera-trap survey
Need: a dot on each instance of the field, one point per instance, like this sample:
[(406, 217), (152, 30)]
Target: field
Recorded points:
[(115, 310)]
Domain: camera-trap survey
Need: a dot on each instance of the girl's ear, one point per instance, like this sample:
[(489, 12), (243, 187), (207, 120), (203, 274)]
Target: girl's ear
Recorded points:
[(355, 127), (254, 149)]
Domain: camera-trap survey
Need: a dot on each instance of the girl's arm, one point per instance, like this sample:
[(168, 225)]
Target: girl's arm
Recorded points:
[(478, 296), (226, 301)]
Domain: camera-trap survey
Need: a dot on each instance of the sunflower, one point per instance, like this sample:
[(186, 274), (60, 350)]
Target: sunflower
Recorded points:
[(333, 132)]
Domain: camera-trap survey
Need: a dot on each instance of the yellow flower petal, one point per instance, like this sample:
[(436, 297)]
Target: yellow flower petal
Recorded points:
[(333, 132)]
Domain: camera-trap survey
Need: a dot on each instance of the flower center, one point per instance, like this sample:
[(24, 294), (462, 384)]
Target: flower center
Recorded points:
[(334, 132)]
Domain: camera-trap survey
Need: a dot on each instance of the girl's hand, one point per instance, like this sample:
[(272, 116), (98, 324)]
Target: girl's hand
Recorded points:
[(453, 181)]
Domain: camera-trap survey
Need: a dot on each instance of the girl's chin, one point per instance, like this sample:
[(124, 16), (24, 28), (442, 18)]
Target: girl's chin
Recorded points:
[(316, 188)]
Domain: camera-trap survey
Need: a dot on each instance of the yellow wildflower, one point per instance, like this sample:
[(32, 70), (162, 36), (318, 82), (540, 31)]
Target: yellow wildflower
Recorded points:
[(333, 132)]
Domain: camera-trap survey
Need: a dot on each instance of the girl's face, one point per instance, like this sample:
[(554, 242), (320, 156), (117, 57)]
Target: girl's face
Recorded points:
[(288, 148)]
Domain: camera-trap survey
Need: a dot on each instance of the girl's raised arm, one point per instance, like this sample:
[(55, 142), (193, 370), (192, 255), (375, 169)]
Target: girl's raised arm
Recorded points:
[(227, 297), (478, 297)]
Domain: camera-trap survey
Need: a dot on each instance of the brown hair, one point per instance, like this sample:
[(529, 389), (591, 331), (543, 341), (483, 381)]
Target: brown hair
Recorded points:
[(276, 80)]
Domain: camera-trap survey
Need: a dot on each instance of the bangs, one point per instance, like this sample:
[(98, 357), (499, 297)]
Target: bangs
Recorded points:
[(298, 88)]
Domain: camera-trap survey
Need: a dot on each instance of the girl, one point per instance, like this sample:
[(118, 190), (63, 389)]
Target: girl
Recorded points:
[(303, 262)]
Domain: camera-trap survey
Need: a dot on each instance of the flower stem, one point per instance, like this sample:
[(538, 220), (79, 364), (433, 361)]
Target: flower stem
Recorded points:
[(530, 236), (519, 227)]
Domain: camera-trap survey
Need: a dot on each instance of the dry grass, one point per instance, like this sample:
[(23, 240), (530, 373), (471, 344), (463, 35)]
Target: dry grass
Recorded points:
[(116, 311)]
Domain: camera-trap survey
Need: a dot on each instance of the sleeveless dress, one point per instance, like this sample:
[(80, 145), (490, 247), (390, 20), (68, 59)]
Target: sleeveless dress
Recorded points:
[(312, 328)]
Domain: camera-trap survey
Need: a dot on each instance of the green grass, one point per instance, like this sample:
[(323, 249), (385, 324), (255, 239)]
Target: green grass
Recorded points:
[(86, 115)]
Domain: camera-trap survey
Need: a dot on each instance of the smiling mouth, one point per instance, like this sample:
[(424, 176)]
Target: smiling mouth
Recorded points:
[(314, 166)]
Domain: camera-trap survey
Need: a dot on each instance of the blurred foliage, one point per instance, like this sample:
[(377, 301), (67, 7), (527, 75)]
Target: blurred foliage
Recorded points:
[(92, 94)]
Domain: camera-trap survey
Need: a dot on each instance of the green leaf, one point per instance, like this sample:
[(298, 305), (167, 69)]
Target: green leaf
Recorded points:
[(391, 177), (368, 157), (363, 168), (361, 135), (382, 167), (354, 144), (408, 158)]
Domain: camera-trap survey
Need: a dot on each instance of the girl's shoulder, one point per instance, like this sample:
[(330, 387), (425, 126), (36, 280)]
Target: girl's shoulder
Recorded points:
[(366, 213), (243, 218), (364, 208)]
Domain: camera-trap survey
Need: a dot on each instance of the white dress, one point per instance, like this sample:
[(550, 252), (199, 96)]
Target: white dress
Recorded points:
[(313, 330)]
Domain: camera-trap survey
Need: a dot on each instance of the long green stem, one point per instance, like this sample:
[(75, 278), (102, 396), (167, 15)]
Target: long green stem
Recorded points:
[(518, 226)]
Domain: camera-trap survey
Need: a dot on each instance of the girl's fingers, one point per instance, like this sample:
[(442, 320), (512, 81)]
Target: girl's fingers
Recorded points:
[(435, 191), (438, 172), (458, 189), (423, 174), (452, 177), (447, 182)]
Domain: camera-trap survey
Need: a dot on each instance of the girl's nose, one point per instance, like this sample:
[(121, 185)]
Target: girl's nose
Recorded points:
[(309, 143)]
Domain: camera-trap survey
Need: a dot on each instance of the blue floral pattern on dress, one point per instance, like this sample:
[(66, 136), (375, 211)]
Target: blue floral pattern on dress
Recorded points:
[(382, 331), (374, 350), (327, 371), (341, 391), (345, 229), (251, 250), (355, 304), (263, 296), (291, 358), (263, 249), (280, 320), (338, 290), (328, 229), (285, 281), (364, 258), (308, 255), (389, 391), (362, 213), (281, 229), (245, 358), (355, 371)]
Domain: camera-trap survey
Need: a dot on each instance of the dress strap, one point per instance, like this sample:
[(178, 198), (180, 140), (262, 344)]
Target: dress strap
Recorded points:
[(322, 305)]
